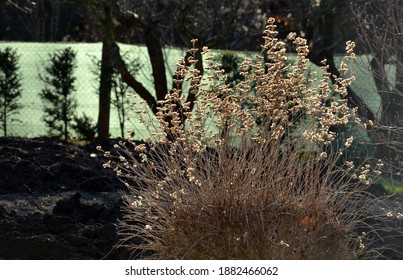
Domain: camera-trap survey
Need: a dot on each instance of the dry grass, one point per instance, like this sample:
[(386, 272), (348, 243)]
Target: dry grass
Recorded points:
[(238, 182), (261, 202)]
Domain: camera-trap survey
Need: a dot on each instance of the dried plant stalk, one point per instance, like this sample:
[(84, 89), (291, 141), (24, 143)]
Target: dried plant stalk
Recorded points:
[(251, 173)]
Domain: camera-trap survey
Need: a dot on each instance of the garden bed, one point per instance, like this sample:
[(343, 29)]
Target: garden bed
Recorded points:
[(57, 202)]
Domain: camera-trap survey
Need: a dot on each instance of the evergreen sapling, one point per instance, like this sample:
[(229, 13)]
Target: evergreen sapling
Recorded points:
[(10, 87), (59, 104)]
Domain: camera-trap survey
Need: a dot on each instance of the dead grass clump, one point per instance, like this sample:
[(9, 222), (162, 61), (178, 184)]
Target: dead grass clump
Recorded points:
[(250, 172)]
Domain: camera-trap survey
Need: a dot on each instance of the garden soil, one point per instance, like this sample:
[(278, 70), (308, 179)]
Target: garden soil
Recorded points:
[(57, 202)]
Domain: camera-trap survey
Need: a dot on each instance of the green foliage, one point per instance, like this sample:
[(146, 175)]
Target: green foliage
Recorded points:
[(10, 86), (84, 128), (57, 93)]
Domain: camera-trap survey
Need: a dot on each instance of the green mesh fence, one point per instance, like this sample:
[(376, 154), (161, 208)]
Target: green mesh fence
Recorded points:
[(33, 56)]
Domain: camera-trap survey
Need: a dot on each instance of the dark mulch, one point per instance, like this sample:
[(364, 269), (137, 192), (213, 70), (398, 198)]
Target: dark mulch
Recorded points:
[(57, 202)]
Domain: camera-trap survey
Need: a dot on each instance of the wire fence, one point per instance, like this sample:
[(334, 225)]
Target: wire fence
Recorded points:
[(33, 56), (32, 59)]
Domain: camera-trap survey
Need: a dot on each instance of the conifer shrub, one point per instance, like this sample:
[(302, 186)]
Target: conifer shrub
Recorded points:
[(225, 181), (10, 87), (85, 128), (57, 94)]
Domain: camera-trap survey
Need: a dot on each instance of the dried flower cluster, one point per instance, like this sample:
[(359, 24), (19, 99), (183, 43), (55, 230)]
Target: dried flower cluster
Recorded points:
[(246, 173)]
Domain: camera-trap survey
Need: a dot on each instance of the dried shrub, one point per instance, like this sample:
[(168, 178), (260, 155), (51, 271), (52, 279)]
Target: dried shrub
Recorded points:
[(228, 181)]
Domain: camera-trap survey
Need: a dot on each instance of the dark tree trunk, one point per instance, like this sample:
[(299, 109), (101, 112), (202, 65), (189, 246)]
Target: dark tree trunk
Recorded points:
[(4, 117), (155, 53), (128, 78), (389, 135), (105, 92), (105, 85), (65, 118)]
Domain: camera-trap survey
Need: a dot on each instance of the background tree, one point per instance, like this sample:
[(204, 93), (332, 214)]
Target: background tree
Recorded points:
[(119, 89), (84, 128), (59, 104), (236, 25), (230, 62), (326, 24), (103, 14), (158, 24), (44, 21), (380, 26), (10, 86)]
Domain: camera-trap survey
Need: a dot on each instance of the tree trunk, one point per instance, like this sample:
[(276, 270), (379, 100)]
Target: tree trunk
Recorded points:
[(390, 134), (5, 116), (105, 84), (54, 21), (65, 118), (131, 81), (155, 53)]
